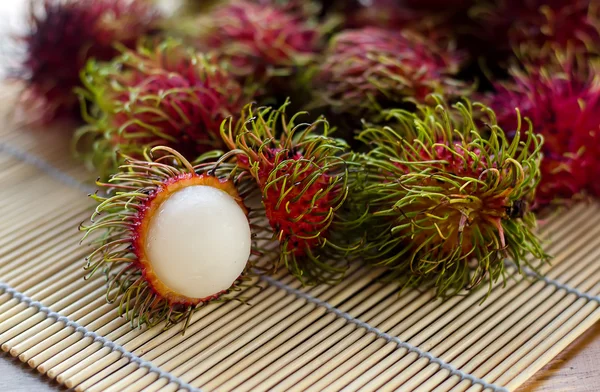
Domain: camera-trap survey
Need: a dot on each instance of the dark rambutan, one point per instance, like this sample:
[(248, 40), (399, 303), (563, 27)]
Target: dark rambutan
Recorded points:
[(303, 179), (510, 24), (562, 99), (306, 8), (391, 14), (261, 39), (63, 35), (368, 68), (438, 20), (447, 198), (170, 237), (165, 94)]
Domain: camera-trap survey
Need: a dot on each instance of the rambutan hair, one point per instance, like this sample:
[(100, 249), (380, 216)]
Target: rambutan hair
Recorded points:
[(303, 178), (63, 35), (438, 20), (557, 23), (562, 99), (370, 68), (261, 39), (118, 230), (160, 94), (446, 196)]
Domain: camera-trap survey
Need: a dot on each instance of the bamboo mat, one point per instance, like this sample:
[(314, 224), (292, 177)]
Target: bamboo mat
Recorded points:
[(361, 334)]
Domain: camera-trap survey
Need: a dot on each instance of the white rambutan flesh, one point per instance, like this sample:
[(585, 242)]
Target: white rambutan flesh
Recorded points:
[(198, 241)]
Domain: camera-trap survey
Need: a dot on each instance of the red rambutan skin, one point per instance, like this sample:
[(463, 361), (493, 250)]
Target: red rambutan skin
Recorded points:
[(63, 35), (565, 109), (259, 39), (295, 216), (369, 64)]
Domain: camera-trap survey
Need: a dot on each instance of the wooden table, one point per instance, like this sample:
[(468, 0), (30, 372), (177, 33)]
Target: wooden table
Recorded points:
[(576, 369)]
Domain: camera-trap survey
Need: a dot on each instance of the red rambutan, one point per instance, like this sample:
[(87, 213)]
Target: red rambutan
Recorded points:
[(559, 23), (303, 179), (434, 19), (367, 68), (63, 35), (562, 99), (260, 40), (306, 8), (165, 94)]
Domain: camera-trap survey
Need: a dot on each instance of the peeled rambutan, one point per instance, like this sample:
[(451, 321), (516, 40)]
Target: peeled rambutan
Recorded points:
[(164, 94), (261, 39), (303, 179), (370, 68), (562, 99), (63, 35), (170, 237), (509, 24), (447, 196)]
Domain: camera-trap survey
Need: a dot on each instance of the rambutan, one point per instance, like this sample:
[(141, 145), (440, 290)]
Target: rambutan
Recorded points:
[(436, 19), (303, 179), (306, 8), (170, 237), (63, 35), (164, 94), (370, 68), (261, 39), (558, 23), (447, 197), (562, 99), (378, 13)]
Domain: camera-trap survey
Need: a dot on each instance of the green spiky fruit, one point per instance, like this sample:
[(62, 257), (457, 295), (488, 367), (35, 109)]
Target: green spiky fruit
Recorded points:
[(303, 177), (171, 237), (447, 196)]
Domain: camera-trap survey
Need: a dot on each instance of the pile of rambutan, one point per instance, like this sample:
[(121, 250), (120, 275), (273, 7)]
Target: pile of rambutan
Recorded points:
[(413, 136)]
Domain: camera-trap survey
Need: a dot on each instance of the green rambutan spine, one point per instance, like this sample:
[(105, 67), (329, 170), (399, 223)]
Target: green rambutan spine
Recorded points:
[(445, 196)]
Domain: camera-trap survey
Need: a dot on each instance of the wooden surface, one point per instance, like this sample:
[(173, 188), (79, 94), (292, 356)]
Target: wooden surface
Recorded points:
[(573, 370), (16, 376)]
